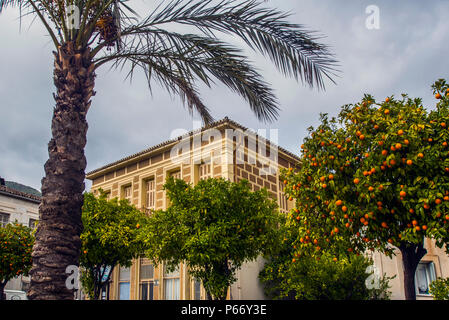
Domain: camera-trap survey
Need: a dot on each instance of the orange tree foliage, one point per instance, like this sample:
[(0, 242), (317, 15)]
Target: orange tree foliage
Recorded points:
[(376, 177), (16, 243)]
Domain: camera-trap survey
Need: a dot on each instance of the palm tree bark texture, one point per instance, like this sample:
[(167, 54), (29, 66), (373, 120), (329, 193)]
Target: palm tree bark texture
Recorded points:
[(57, 237)]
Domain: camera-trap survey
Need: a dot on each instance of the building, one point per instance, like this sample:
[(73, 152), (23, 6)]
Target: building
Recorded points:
[(223, 149), (22, 207)]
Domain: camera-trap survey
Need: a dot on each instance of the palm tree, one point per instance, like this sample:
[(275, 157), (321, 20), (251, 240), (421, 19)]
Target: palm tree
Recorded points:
[(88, 34)]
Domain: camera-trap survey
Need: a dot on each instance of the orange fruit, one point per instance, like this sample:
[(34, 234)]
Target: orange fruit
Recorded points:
[(384, 225), (344, 208), (356, 180), (443, 124), (338, 202), (384, 152), (361, 137), (331, 177), (398, 146), (387, 99), (402, 193), (438, 96), (414, 222), (438, 201), (400, 132), (409, 162), (420, 155), (406, 141), (387, 111)]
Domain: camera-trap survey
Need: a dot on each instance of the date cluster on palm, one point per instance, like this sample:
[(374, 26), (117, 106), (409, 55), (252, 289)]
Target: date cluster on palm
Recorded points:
[(107, 28)]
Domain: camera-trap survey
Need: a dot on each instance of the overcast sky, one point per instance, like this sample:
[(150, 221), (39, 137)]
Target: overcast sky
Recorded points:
[(405, 55)]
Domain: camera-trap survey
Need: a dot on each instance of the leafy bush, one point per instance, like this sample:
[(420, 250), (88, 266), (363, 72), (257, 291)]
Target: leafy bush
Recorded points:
[(440, 289)]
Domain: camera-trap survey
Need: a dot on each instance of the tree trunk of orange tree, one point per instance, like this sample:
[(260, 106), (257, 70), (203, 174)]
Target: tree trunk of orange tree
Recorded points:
[(411, 255), (58, 244)]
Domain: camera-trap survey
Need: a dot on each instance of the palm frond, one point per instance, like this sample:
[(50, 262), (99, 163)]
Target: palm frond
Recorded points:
[(11, 3), (191, 58), (293, 49)]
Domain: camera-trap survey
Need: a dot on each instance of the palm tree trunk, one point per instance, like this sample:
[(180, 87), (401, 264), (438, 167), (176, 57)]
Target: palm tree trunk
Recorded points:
[(58, 242)]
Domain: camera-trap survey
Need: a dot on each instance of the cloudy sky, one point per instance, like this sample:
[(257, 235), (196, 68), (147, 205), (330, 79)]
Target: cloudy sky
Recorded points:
[(405, 55)]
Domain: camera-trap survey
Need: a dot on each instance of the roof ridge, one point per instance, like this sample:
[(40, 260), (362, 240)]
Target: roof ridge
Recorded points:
[(20, 193), (224, 120)]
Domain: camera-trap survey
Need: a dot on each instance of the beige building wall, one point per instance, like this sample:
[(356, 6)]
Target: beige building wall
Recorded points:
[(231, 155)]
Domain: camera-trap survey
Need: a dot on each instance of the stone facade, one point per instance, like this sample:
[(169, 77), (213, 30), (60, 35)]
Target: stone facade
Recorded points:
[(224, 149)]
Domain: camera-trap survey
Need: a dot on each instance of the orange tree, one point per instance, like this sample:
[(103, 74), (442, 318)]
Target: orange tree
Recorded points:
[(16, 242), (375, 178)]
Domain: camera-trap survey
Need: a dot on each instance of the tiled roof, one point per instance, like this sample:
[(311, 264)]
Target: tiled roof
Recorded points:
[(20, 195), (224, 121)]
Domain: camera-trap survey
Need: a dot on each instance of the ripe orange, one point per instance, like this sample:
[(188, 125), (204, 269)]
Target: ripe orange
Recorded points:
[(356, 180), (371, 189), (420, 155), (361, 137), (387, 111), (344, 208), (384, 152), (443, 124), (406, 141), (438, 96), (331, 177), (424, 227), (411, 210), (324, 186), (387, 99), (322, 179), (409, 162), (392, 162), (438, 201), (402, 193), (426, 206), (400, 132), (398, 146), (338, 203), (418, 228), (414, 222), (384, 225)]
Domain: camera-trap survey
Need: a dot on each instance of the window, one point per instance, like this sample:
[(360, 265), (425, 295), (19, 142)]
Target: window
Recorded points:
[(425, 274), (123, 285), (171, 284), (204, 171), (283, 201), (150, 195), (32, 223), (146, 280), (4, 219), (176, 174), (127, 193), (197, 289)]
